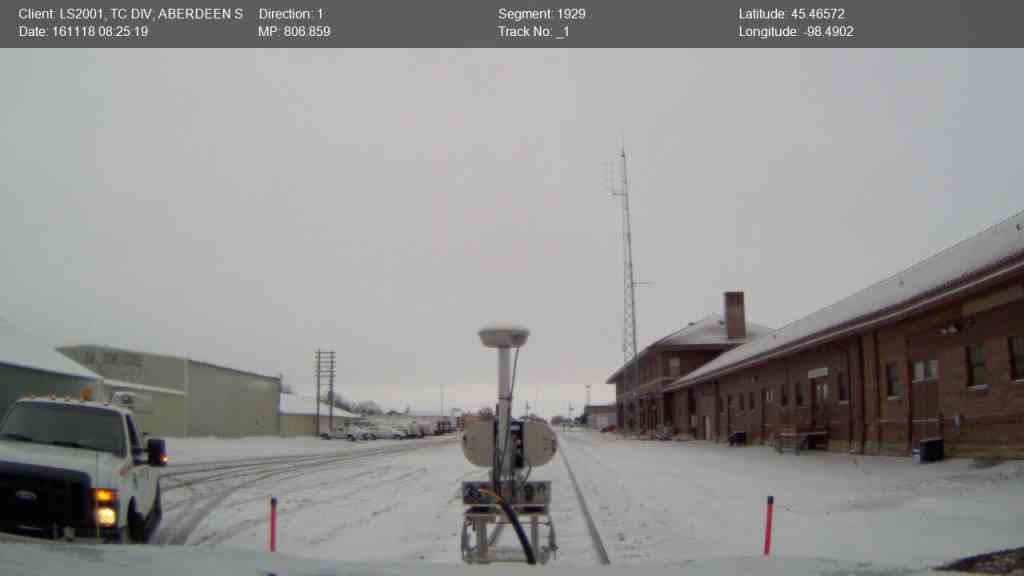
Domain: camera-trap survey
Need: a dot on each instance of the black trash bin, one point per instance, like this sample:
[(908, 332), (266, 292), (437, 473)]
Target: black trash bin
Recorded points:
[(932, 449), (737, 438)]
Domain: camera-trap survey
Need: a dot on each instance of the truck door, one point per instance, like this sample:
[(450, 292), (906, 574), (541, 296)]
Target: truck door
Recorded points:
[(140, 473)]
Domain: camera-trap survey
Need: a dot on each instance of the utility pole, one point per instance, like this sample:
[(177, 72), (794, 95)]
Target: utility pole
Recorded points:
[(325, 371)]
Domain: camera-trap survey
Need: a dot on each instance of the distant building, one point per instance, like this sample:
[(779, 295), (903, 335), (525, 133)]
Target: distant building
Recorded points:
[(30, 367), (599, 416), (186, 397), (297, 416), (643, 398)]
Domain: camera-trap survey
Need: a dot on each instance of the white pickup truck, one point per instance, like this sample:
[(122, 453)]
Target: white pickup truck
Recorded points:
[(75, 469)]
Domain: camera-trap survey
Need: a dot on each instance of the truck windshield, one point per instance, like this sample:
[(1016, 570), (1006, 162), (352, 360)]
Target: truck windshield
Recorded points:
[(65, 425)]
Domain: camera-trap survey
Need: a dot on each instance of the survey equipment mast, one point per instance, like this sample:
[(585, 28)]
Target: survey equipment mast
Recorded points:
[(511, 449)]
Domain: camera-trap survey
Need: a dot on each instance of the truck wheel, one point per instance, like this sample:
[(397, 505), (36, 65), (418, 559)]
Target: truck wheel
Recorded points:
[(136, 525), (158, 509)]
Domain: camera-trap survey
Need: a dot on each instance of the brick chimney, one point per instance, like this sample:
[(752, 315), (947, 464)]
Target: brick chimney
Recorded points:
[(735, 316)]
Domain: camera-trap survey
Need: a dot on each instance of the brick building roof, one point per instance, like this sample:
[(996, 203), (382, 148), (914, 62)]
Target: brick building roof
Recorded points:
[(707, 333), (988, 256)]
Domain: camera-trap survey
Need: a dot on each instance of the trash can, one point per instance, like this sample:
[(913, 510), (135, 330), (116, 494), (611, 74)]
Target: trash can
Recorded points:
[(932, 449)]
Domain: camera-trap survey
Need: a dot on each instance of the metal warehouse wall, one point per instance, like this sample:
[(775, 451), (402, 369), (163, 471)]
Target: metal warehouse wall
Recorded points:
[(225, 402), (17, 382), (163, 416), (137, 367), (305, 424)]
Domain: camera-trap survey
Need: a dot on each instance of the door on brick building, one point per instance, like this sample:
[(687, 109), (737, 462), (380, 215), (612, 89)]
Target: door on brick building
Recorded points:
[(821, 400), (924, 400), (764, 409)]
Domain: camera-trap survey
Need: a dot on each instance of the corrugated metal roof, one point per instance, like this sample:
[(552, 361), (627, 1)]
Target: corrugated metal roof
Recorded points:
[(988, 251), (20, 349), (295, 404), (709, 331)]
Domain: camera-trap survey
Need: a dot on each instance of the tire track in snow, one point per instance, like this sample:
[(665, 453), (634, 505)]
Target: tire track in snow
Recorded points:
[(198, 508)]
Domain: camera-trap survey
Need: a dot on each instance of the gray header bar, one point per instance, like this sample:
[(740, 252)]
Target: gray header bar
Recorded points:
[(512, 23)]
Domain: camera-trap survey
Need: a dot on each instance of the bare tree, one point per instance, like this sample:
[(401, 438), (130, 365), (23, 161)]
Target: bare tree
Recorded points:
[(368, 407)]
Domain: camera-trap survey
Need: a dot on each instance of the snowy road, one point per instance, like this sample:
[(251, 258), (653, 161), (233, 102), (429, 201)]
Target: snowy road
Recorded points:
[(666, 502), (375, 501)]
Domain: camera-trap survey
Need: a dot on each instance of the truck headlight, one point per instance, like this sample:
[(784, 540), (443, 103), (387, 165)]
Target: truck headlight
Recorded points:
[(106, 516)]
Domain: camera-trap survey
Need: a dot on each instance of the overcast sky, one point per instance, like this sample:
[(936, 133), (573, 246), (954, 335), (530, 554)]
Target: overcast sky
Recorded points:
[(248, 207)]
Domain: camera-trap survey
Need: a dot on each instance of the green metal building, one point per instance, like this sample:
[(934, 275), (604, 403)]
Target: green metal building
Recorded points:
[(30, 367)]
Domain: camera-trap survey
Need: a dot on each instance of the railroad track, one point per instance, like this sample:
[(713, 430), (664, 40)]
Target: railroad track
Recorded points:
[(251, 472), (595, 536)]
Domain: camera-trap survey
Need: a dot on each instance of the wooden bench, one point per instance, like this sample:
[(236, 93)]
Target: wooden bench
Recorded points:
[(798, 438)]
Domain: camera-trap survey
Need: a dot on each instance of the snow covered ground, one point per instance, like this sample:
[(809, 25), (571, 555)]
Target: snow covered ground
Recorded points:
[(211, 449), (655, 503), (380, 506), (662, 502)]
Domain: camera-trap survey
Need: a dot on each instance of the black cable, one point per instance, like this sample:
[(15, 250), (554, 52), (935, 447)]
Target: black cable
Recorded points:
[(514, 519)]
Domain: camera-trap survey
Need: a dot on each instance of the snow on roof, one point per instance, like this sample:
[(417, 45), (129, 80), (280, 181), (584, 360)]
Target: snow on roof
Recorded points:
[(22, 350), (709, 331), (990, 251), (141, 387), (295, 404)]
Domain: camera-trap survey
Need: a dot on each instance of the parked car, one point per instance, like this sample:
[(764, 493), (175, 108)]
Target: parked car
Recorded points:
[(352, 432), (609, 428), (385, 432)]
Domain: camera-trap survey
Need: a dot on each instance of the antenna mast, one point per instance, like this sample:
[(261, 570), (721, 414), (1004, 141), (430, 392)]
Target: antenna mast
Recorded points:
[(629, 349)]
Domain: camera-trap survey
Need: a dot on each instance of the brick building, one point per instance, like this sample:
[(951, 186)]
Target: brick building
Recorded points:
[(935, 350), (642, 398)]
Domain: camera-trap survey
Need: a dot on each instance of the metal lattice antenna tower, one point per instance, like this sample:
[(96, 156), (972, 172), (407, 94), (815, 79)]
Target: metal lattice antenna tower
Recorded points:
[(629, 348)]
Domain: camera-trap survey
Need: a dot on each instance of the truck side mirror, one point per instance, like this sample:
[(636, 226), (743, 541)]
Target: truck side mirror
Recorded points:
[(157, 450)]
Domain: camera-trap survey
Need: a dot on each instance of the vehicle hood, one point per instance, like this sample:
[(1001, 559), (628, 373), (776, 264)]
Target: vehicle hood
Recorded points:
[(43, 559), (62, 457)]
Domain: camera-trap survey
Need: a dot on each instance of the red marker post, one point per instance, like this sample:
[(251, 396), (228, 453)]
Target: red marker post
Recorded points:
[(273, 525), (768, 526)]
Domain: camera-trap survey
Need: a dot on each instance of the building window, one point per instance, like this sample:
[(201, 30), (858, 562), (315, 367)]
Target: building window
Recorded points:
[(750, 400), (89, 357), (893, 387), (798, 393), (769, 395), (783, 400), (822, 391), (926, 370), (841, 379), (976, 366), (721, 405), (742, 403), (674, 366), (1017, 357), (110, 358)]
